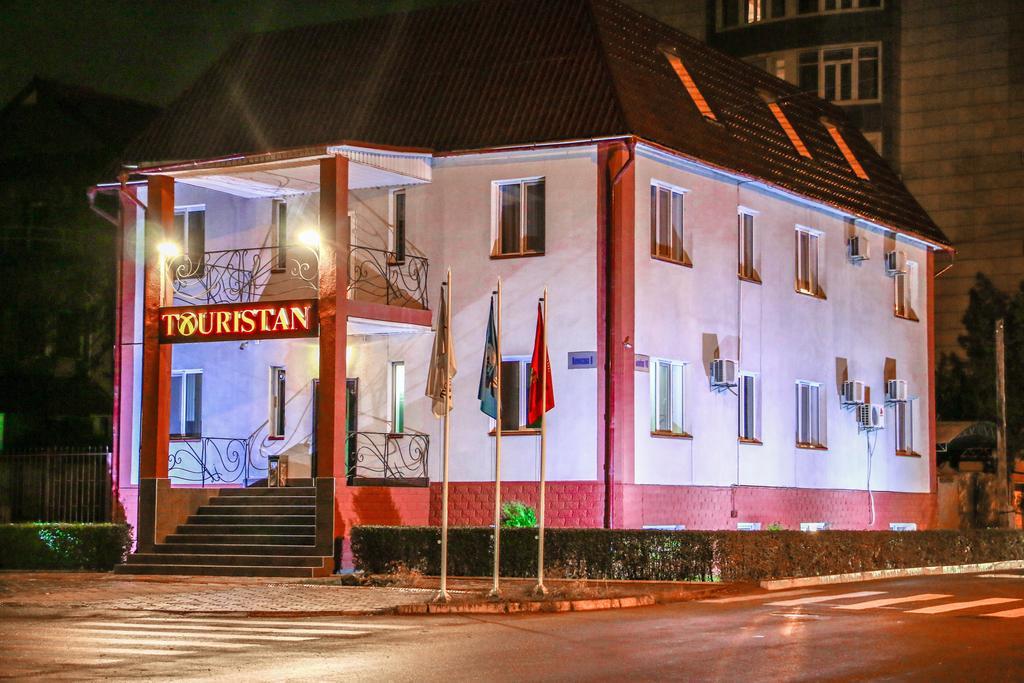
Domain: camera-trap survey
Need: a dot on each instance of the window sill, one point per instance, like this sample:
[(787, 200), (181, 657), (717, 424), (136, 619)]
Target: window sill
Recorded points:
[(814, 295), (754, 279), (811, 447), (685, 262), (671, 435), (908, 454), (275, 438), (910, 316), (525, 254), (516, 432), (186, 437), (394, 435), (750, 442)]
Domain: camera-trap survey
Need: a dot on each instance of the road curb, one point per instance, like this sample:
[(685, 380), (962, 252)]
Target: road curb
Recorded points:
[(875, 575), (529, 606)]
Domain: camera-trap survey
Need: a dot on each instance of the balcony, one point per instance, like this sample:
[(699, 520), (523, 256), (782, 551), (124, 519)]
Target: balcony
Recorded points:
[(387, 459)]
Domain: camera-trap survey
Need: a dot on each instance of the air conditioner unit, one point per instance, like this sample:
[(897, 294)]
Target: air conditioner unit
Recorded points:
[(871, 416), (852, 393), (723, 373), (857, 249), (896, 390), (895, 263)]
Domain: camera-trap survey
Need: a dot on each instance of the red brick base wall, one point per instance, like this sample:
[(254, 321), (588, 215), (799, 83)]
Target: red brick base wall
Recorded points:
[(581, 504)]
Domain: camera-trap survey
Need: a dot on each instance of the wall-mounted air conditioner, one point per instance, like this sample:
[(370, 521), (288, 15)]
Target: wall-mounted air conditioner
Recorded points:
[(871, 416), (895, 263), (896, 390), (723, 373), (852, 393), (857, 249)]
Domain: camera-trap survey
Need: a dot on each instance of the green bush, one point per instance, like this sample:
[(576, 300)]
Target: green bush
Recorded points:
[(63, 546), (518, 515), (651, 554)]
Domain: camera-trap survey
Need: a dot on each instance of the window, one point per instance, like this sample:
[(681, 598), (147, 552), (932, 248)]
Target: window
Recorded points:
[(691, 86), (842, 74), (277, 402), (280, 227), (186, 404), (903, 412), (519, 217), (755, 10), (750, 11), (190, 236), (788, 129), (515, 392), (747, 271), (397, 411), (904, 285), (819, 6), (398, 225), (845, 150), (750, 407), (667, 224), (668, 397), (807, 281), (808, 415)]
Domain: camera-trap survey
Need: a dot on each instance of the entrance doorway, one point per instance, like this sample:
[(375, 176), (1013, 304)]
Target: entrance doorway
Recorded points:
[(351, 419)]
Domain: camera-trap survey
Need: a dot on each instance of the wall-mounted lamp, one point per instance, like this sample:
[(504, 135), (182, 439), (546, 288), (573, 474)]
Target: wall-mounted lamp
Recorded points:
[(311, 238), (168, 250), (627, 343)]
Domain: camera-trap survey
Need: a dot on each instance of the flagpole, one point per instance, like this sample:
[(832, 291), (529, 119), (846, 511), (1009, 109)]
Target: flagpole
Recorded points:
[(495, 590), (442, 594), (540, 589)]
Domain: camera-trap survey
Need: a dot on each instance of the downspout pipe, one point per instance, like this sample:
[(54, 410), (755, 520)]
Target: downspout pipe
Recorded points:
[(611, 344)]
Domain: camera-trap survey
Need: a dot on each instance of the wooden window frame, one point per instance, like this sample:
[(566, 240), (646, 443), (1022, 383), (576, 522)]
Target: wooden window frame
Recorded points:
[(747, 271), (813, 286), (497, 250), (741, 394), (815, 411), (678, 257)]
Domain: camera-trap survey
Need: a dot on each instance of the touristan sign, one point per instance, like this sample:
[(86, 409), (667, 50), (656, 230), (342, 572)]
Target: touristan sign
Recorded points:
[(232, 322)]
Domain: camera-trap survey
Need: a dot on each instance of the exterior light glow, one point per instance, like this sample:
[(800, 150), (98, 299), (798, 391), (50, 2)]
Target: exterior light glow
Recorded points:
[(311, 238), (168, 250)]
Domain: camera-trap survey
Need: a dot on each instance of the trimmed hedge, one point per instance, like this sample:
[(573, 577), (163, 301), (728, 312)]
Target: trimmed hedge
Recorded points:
[(676, 555), (63, 546)]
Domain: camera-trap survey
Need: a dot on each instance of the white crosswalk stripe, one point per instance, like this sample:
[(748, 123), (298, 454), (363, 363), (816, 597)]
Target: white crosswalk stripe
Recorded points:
[(277, 622), (885, 602), (824, 598), (762, 596), (957, 606), (186, 626), (131, 631), (1007, 614)]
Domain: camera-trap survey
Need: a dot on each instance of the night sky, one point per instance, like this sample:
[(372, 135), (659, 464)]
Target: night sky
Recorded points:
[(146, 49)]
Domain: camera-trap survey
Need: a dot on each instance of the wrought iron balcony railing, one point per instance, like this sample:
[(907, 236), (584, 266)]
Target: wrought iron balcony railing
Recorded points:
[(236, 276), (213, 461), (385, 459), (382, 277)]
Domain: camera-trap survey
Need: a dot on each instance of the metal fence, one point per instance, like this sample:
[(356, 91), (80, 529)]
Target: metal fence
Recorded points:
[(63, 486)]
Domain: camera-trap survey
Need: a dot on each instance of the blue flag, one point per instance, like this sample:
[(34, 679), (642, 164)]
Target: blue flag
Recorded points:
[(487, 393)]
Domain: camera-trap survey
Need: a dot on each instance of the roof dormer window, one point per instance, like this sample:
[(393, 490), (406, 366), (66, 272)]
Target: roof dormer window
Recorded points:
[(784, 123), (837, 137), (691, 87)]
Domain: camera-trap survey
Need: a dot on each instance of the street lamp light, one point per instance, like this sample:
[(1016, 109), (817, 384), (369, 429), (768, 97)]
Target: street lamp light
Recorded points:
[(310, 237)]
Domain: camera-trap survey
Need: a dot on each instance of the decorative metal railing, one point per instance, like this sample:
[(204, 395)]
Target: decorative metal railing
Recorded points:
[(65, 486), (380, 276), (381, 458), (214, 461), (235, 276)]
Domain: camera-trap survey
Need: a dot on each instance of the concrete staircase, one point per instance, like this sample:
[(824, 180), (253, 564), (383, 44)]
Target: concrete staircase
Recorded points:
[(242, 532)]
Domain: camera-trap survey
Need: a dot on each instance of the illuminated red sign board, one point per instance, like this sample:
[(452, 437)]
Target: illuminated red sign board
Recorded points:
[(232, 322)]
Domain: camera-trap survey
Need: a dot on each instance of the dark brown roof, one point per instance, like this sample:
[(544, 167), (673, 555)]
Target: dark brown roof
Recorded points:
[(509, 72)]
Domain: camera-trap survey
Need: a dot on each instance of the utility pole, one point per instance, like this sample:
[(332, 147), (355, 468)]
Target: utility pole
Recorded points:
[(1004, 507)]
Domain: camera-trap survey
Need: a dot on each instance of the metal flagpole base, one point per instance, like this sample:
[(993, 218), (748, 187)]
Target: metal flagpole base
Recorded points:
[(540, 590), (442, 598), (494, 594)]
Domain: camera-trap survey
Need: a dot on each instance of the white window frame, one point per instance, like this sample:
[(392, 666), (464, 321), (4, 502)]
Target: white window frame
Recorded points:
[(816, 411), (196, 260), (855, 49), (523, 399), (747, 271), (278, 402), (396, 396), (815, 285), (393, 195), (496, 243), (677, 415), (753, 409), (905, 286), (903, 426), (177, 432), (677, 253)]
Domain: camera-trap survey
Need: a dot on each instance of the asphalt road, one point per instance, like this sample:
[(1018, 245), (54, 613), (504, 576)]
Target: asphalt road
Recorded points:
[(968, 627)]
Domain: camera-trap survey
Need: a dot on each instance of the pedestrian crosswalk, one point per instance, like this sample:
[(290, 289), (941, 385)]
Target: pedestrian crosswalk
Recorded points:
[(862, 601), (98, 642)]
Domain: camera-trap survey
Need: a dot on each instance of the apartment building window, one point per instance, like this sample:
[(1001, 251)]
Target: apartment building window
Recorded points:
[(808, 415), (186, 404), (903, 422), (733, 13), (905, 286), (277, 402), (807, 258), (750, 407), (820, 6), (668, 392), (519, 217), (397, 411), (515, 391), (190, 236), (842, 74), (398, 225), (667, 224), (747, 269), (280, 232)]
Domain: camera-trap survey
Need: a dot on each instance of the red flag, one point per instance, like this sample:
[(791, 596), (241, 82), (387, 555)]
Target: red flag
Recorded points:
[(533, 412)]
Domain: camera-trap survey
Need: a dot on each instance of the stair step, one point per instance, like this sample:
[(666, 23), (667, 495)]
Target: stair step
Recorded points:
[(308, 529), (214, 570), (229, 501), (227, 560), (256, 539), (276, 520), (268, 548), (251, 510), (271, 491)]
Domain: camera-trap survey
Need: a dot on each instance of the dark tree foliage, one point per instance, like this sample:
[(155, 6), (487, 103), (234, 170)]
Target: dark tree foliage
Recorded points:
[(966, 384)]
